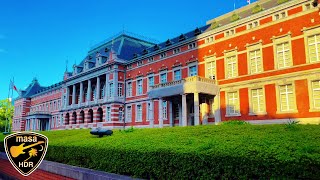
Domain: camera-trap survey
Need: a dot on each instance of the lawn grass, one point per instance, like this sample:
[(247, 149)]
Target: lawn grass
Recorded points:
[(206, 152)]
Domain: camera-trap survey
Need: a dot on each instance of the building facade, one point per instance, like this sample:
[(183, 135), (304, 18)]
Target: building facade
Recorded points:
[(260, 63)]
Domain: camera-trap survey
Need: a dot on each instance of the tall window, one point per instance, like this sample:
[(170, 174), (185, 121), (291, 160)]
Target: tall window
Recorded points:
[(120, 114), (316, 94), (176, 111), (283, 55), (211, 70), (139, 87), (164, 110), (119, 90), (232, 67), (139, 113), (163, 77), (111, 90), (314, 48), (255, 61), (103, 90), (286, 97), (108, 114), (233, 107), (129, 89), (177, 74), (193, 71), (257, 101), (150, 81), (129, 114)]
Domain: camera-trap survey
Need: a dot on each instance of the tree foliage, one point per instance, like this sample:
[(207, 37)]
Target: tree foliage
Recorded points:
[(6, 111)]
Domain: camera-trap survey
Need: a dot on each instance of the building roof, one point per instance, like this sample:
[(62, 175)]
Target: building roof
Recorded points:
[(244, 12), (35, 88), (173, 41)]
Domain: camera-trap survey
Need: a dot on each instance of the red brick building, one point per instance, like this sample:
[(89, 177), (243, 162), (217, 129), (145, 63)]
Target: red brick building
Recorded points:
[(259, 63)]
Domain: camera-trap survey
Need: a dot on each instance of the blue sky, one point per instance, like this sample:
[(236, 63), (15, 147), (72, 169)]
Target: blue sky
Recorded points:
[(37, 36)]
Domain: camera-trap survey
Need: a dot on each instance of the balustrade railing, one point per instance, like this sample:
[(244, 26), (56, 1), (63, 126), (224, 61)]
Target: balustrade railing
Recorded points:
[(39, 112), (188, 79)]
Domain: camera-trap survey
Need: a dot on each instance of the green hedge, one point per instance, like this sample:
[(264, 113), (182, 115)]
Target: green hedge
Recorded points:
[(203, 152)]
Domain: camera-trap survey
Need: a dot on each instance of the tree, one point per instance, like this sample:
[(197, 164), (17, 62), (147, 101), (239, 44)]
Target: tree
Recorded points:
[(6, 111)]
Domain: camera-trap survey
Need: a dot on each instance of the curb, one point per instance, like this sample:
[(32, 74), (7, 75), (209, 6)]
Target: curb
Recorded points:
[(71, 171)]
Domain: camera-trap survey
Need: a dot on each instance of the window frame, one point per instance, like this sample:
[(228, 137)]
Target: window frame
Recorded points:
[(278, 97), (192, 65), (174, 70), (129, 91), (312, 108), (228, 114), (227, 55), (308, 32), (128, 113), (138, 93), (251, 48), (281, 40), (166, 75), (148, 80), (137, 113), (251, 112), (210, 60)]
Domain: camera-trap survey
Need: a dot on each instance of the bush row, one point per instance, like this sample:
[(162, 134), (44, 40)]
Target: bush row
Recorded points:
[(204, 152)]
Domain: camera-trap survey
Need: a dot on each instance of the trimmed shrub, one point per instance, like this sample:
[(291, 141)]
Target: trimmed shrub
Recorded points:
[(201, 152), (235, 122)]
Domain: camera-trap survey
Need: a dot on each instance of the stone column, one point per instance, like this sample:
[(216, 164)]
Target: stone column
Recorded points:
[(170, 114), (89, 92), (217, 112), (151, 114), (98, 89), (106, 88), (115, 84), (74, 95), (81, 94), (196, 108), (180, 114), (160, 113), (184, 110), (67, 97)]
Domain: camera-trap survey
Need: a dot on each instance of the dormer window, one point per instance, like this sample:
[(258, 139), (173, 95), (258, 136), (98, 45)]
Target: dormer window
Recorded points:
[(168, 42), (86, 65), (163, 55), (106, 50), (74, 69), (144, 52), (150, 59), (139, 63), (156, 47), (182, 37), (197, 31), (176, 51), (192, 46)]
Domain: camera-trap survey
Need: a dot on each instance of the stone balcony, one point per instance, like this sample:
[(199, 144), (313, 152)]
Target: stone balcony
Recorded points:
[(39, 114), (185, 86)]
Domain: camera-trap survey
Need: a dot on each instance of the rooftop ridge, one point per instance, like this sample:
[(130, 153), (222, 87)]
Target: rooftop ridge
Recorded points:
[(124, 33)]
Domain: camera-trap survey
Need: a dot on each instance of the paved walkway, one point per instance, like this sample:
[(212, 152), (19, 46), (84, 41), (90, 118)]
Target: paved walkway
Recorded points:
[(7, 171)]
